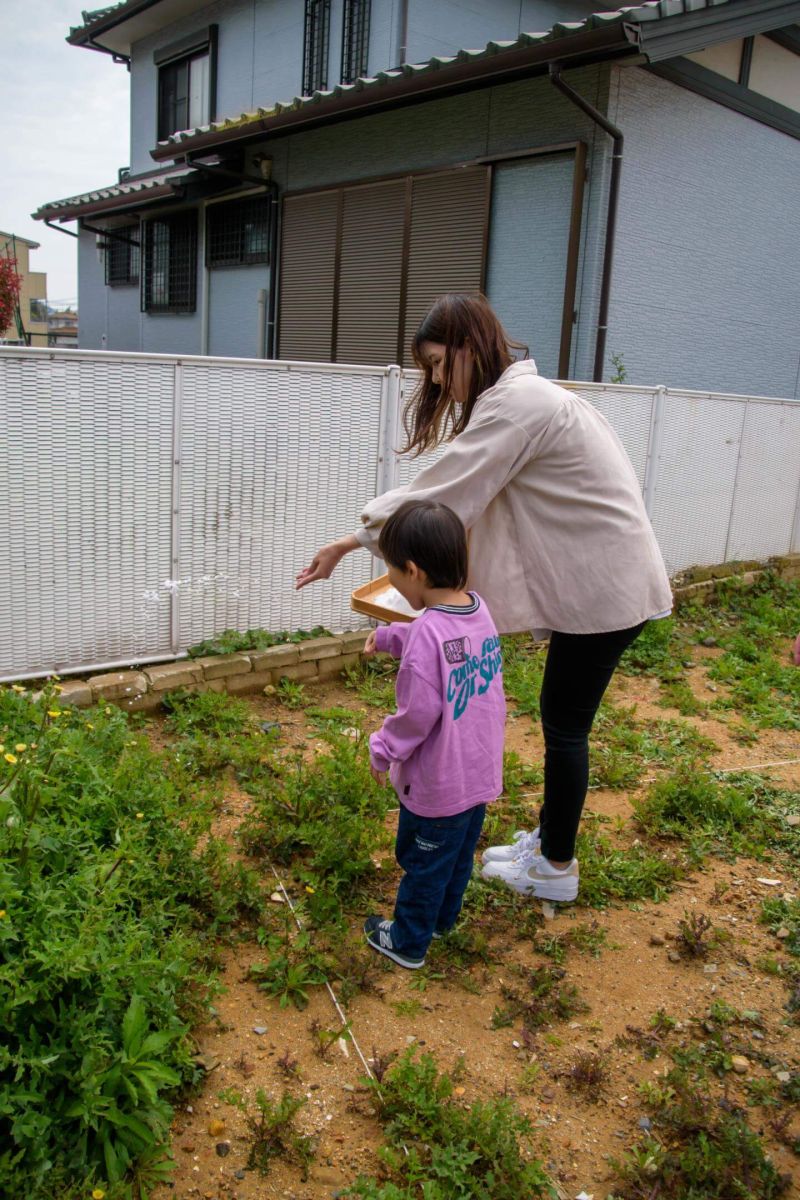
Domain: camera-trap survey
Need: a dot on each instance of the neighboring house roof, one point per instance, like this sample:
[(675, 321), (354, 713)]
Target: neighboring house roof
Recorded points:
[(658, 29), (137, 189), (14, 237)]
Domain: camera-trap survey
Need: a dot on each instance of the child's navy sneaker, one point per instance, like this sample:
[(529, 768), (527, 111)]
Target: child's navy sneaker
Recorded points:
[(379, 937)]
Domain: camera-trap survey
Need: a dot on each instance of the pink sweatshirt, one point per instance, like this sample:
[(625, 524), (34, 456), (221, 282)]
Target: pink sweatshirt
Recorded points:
[(443, 747)]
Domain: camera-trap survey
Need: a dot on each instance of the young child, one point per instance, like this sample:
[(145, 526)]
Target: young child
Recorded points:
[(443, 747)]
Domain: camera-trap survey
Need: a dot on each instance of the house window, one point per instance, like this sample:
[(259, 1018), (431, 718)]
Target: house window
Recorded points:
[(237, 232), (315, 46), (186, 83), (38, 310), (122, 257), (170, 264), (355, 40)]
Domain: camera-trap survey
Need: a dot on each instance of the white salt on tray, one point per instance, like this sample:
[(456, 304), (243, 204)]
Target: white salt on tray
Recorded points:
[(391, 599)]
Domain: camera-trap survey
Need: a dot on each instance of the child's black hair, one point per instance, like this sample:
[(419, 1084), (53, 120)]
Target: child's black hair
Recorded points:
[(430, 535)]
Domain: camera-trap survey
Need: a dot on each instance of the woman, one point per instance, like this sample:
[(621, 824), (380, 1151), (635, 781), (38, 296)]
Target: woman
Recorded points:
[(559, 544)]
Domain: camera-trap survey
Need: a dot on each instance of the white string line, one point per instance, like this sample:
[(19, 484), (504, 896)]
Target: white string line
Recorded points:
[(331, 993), (601, 787)]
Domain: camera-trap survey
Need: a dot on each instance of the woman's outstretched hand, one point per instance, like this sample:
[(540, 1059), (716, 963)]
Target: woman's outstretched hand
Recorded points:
[(326, 560)]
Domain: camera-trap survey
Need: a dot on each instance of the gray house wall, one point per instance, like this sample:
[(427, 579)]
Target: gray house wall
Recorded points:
[(706, 289)]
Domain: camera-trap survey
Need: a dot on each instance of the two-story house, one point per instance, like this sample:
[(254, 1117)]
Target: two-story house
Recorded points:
[(306, 175)]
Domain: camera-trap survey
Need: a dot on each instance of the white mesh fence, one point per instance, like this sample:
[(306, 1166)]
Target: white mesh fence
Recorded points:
[(149, 501)]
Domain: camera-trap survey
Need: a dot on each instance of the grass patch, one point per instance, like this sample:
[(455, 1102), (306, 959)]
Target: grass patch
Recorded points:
[(727, 815)]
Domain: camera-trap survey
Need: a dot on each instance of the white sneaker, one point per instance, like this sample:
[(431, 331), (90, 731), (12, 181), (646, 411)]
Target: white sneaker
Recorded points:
[(521, 843), (535, 875)]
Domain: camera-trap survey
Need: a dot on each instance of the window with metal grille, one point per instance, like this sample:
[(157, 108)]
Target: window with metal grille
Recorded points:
[(122, 257), (315, 46), (238, 232), (355, 40), (170, 264)]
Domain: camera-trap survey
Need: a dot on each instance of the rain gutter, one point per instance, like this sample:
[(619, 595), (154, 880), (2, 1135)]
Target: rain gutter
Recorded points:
[(611, 218), (415, 87)]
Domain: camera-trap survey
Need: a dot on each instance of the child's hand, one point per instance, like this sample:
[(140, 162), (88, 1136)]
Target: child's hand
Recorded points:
[(370, 646), (378, 776)]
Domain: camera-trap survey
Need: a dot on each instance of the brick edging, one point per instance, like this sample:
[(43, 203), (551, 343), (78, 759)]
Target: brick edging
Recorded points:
[(143, 690), (325, 657)]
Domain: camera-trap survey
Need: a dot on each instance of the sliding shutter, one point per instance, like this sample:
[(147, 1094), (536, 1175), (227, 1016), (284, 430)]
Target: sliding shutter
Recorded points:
[(370, 269), (449, 224), (308, 272), (361, 265)]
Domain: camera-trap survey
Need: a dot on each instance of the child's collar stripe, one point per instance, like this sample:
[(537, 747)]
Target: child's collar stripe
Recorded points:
[(458, 608)]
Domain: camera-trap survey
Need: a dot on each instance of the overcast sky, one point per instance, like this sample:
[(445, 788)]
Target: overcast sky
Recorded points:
[(65, 126)]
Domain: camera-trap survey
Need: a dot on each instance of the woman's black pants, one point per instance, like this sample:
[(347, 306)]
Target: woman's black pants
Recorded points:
[(577, 672)]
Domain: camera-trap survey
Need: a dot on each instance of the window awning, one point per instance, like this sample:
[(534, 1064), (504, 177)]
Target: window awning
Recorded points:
[(120, 197)]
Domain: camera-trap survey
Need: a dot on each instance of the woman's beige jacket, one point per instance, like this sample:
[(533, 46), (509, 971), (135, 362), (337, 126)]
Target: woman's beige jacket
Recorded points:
[(559, 538)]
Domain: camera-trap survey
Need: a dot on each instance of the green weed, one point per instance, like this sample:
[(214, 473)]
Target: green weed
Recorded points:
[(291, 693), (373, 680), (523, 671), (783, 916), (326, 817), (273, 1135), (231, 641), (110, 908), (609, 873), (439, 1149), (725, 816), (703, 1151)]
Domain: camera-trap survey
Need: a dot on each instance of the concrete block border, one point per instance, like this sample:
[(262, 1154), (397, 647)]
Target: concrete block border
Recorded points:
[(143, 690)]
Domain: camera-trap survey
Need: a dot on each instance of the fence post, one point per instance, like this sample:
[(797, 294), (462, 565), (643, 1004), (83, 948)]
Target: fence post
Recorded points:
[(732, 510), (175, 548), (794, 545), (390, 418), (654, 449)]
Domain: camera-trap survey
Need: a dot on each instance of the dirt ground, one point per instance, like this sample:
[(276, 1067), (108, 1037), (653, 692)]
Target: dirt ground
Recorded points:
[(632, 977)]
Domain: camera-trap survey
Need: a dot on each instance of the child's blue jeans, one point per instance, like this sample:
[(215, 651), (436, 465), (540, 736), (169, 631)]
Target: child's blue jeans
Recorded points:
[(436, 854)]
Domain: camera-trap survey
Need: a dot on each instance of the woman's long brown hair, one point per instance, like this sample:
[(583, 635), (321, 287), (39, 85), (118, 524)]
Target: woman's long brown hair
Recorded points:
[(455, 319)]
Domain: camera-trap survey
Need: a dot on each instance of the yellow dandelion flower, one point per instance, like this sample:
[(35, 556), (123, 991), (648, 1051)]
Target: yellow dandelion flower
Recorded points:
[(140, 816), (89, 725), (10, 758), (20, 747), (54, 712), (17, 687), (98, 1194), (310, 890), (2, 914)]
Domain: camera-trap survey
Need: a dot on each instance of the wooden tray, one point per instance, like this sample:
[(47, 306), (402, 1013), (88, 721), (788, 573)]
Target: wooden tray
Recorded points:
[(365, 600)]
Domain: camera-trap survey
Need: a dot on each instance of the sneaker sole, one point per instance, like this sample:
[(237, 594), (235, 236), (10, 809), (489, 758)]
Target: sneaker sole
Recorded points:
[(543, 889), (411, 964)]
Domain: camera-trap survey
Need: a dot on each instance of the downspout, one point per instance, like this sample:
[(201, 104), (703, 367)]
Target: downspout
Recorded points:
[(611, 219), (402, 33), (272, 304)]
